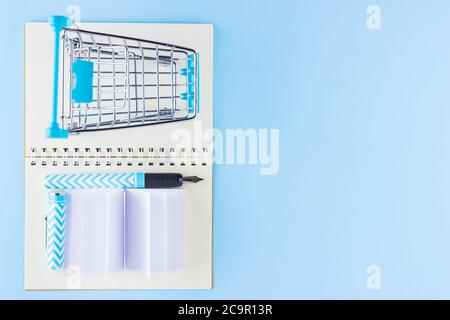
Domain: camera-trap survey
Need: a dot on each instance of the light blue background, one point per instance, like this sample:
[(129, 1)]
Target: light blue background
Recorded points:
[(364, 153)]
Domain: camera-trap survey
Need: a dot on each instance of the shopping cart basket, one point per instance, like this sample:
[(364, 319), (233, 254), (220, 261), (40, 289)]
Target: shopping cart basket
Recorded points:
[(110, 81)]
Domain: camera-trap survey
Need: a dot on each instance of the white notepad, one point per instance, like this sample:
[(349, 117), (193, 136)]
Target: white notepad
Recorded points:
[(154, 148)]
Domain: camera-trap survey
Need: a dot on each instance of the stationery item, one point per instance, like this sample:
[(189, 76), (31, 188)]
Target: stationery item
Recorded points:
[(95, 233), (55, 230), (136, 180), (111, 230), (141, 149), (111, 81), (154, 231)]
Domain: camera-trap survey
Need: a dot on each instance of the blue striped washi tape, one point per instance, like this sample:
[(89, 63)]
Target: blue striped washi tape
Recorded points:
[(55, 230)]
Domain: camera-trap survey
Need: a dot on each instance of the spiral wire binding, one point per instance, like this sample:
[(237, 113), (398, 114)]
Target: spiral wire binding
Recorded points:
[(117, 157)]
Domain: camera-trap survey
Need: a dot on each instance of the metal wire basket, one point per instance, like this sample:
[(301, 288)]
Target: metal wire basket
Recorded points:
[(110, 81)]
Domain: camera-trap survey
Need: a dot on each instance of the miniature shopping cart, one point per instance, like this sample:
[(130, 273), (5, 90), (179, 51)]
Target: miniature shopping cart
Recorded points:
[(109, 81)]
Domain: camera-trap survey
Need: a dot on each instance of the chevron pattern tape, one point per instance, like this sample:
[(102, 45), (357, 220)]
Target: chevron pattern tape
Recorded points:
[(90, 181), (55, 231)]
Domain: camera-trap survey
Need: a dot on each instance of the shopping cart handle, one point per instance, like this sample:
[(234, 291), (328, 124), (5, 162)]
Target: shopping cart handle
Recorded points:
[(54, 131)]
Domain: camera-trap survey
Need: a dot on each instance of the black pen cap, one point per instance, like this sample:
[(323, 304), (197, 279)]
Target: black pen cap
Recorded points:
[(163, 180)]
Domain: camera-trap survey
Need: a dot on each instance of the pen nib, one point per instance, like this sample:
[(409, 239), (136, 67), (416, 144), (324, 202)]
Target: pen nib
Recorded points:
[(193, 179)]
